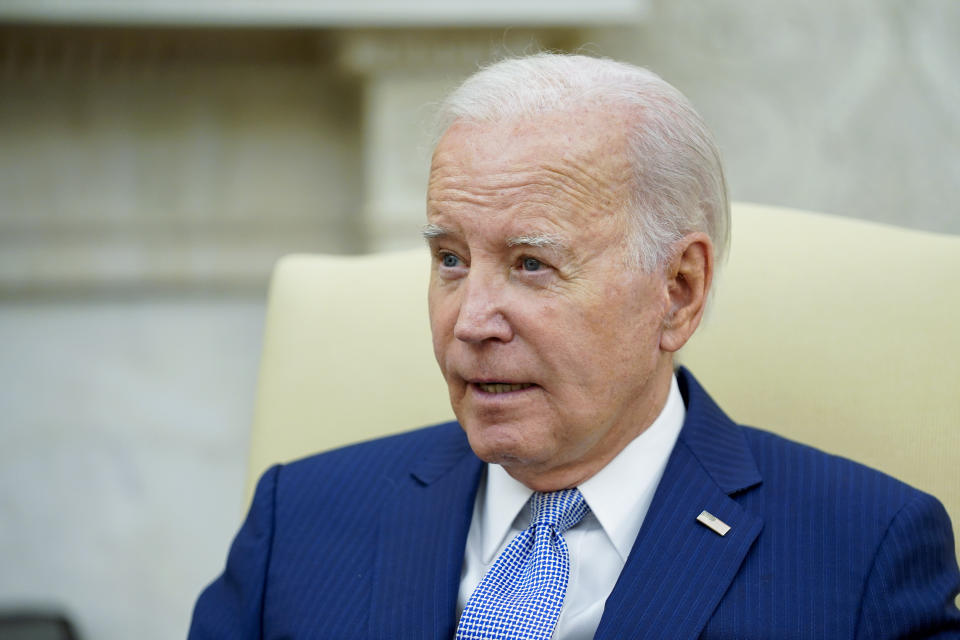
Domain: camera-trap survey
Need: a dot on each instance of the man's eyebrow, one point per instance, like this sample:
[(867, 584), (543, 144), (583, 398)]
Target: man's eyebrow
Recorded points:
[(537, 240), (433, 231)]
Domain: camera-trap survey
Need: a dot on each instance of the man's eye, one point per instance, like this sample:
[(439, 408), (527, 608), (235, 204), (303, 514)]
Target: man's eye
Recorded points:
[(531, 264), (449, 260)]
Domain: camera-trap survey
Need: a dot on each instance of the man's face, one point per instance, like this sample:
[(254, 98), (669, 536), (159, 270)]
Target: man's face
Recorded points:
[(548, 338)]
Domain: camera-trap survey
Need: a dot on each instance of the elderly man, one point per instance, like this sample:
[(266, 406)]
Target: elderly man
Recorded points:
[(576, 211)]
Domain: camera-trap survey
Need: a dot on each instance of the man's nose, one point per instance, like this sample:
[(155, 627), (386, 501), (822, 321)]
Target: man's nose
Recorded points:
[(482, 315)]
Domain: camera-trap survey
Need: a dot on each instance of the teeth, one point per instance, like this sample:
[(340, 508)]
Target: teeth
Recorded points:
[(499, 387)]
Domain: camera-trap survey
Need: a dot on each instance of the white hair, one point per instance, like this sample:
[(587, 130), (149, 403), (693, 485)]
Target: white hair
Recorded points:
[(678, 178)]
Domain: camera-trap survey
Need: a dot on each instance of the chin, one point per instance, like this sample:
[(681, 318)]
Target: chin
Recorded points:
[(501, 444)]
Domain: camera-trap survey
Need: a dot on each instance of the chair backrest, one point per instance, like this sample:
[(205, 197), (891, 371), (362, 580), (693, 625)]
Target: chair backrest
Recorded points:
[(835, 332)]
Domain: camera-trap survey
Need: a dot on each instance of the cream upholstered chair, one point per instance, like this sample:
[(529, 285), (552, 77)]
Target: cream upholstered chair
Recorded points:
[(838, 333)]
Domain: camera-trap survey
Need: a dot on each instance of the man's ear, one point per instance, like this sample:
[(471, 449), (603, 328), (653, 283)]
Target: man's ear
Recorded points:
[(688, 274)]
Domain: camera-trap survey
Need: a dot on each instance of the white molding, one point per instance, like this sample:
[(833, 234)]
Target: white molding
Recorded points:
[(329, 13), (333, 13), (88, 264)]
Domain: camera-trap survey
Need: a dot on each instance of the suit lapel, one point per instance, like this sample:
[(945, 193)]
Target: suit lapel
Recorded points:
[(423, 532), (679, 569)]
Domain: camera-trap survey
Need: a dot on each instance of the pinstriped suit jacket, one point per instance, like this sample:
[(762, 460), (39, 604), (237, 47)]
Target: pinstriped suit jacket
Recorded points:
[(368, 541)]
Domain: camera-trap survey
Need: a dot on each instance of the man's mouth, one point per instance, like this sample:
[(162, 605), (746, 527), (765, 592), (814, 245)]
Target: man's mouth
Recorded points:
[(502, 387)]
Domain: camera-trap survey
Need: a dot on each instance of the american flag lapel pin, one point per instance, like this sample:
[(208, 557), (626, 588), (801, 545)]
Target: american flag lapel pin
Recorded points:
[(713, 523)]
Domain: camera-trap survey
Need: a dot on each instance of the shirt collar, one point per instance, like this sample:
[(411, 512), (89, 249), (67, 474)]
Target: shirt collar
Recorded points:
[(619, 495), (504, 499)]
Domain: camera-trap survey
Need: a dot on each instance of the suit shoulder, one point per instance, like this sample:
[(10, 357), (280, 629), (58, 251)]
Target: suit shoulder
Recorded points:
[(814, 473), (380, 456)]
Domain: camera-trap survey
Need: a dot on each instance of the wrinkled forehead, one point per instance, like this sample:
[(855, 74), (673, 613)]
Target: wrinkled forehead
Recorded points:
[(564, 174), (590, 140)]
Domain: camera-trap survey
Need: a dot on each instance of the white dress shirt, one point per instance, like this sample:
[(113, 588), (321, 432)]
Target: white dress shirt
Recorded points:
[(618, 495)]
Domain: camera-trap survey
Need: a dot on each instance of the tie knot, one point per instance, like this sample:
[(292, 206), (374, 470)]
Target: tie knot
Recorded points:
[(559, 509)]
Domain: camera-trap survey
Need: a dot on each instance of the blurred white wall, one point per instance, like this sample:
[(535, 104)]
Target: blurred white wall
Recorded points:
[(171, 158), (124, 436), (149, 177), (849, 107)]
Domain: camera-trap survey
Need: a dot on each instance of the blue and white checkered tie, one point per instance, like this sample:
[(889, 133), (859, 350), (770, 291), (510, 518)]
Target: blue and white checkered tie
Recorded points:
[(521, 596)]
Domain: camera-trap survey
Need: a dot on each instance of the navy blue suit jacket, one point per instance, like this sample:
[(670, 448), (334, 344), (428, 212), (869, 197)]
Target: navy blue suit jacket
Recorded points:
[(368, 542)]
